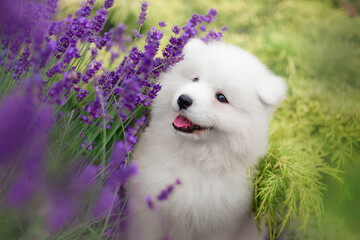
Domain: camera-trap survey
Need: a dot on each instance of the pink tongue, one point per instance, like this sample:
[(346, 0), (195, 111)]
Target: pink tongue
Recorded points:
[(181, 122)]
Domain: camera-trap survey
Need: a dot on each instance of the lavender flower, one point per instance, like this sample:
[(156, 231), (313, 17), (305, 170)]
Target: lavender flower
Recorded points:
[(102, 42), (81, 94), (108, 4), (214, 36), (142, 16), (137, 34), (91, 71), (105, 202), (176, 29), (21, 65), (99, 20), (119, 39), (70, 54), (85, 10), (94, 52), (51, 6), (162, 24), (23, 141), (61, 210), (114, 55)]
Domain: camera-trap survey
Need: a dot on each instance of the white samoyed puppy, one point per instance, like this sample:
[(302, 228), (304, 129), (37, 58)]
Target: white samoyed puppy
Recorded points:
[(209, 125)]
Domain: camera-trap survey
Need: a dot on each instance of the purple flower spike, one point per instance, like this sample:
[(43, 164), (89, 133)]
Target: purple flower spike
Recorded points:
[(127, 172), (99, 20), (105, 202), (21, 190), (61, 210), (85, 11), (142, 16), (22, 65), (137, 34), (108, 4), (213, 36), (176, 29), (86, 178)]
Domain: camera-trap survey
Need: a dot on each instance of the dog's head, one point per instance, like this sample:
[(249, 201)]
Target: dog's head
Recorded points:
[(218, 91)]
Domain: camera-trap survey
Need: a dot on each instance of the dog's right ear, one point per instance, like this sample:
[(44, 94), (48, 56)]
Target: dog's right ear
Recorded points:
[(192, 45), (271, 90)]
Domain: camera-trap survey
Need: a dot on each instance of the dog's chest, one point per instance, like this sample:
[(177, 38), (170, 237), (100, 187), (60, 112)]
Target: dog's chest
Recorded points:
[(208, 202)]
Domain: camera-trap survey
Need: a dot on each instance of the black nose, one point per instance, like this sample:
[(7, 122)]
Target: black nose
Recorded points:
[(184, 101)]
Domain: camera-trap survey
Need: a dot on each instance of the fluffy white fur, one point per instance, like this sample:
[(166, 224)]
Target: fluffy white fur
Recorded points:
[(213, 201)]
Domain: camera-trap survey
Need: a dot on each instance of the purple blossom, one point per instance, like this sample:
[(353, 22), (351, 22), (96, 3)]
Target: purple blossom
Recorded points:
[(57, 68), (85, 10), (91, 71), (142, 16), (164, 194), (119, 39), (105, 41), (61, 210), (114, 55), (107, 233), (137, 34), (214, 36), (21, 189), (202, 28), (162, 24), (105, 202), (86, 178), (94, 52), (172, 53), (176, 29), (70, 54), (136, 55), (41, 58), (149, 202), (118, 156), (151, 48), (108, 4), (23, 141), (51, 8), (21, 65), (211, 16), (81, 94), (99, 20), (59, 90)]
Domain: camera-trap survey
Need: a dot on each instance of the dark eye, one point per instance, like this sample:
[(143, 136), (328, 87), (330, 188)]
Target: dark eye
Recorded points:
[(196, 79), (221, 98)]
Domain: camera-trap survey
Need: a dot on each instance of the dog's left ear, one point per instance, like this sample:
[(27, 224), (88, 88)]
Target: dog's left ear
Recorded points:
[(271, 90)]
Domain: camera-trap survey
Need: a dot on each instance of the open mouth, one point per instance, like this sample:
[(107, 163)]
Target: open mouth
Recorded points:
[(183, 124)]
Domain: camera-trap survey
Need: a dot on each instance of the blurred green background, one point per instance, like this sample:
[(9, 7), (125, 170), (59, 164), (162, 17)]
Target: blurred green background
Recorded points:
[(315, 47)]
